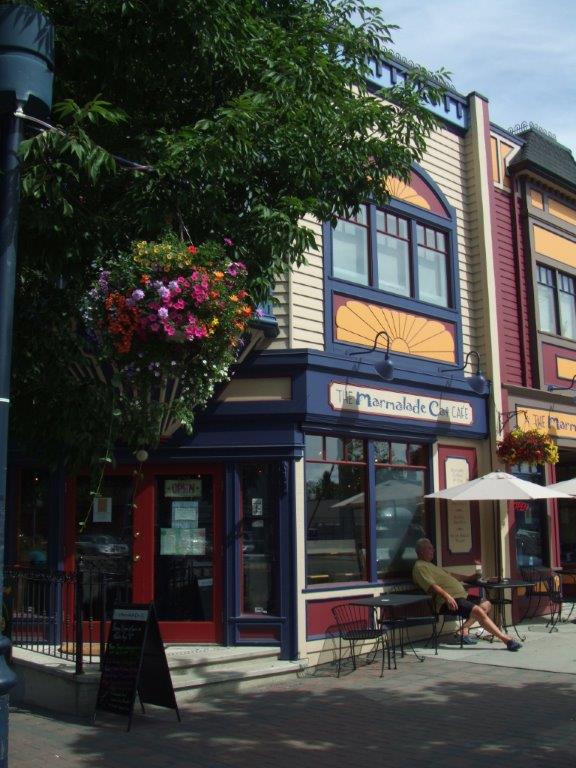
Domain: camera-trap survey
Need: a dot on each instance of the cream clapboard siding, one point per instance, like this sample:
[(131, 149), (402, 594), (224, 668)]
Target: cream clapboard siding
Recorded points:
[(448, 160), (300, 301)]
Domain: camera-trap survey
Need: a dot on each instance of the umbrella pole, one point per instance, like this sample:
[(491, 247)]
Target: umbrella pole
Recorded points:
[(497, 540)]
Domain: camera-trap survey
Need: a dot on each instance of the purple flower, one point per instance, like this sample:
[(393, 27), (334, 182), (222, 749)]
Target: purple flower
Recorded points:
[(164, 293), (103, 281), (137, 295), (173, 285), (259, 312), (228, 241), (163, 313)]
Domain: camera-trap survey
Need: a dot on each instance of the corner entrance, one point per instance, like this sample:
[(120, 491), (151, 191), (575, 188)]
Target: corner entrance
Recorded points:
[(158, 534)]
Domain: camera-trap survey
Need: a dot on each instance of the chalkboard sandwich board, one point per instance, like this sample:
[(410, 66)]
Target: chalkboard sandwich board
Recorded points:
[(134, 663)]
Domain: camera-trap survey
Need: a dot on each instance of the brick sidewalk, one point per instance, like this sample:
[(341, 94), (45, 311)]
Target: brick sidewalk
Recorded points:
[(437, 714)]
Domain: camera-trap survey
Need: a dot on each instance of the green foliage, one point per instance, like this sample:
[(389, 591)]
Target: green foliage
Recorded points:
[(244, 117)]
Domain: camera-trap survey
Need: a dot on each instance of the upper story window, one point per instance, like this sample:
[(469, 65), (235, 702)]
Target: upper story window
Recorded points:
[(556, 302), (393, 253)]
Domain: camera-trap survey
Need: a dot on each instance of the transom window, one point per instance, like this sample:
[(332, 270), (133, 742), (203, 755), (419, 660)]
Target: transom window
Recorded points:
[(396, 254), (343, 523), (556, 302)]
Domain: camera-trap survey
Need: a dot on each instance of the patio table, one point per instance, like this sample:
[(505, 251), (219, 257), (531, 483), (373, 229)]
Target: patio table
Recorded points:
[(500, 601), (388, 603)]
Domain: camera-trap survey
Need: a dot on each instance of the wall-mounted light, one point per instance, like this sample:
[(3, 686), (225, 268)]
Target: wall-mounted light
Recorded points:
[(384, 366), (477, 382), (552, 388)]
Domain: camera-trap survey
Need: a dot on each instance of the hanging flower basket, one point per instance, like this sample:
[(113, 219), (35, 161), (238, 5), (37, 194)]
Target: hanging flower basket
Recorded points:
[(527, 446), (162, 324)]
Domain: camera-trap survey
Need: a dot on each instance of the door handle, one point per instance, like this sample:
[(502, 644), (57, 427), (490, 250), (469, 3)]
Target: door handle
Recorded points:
[(137, 558), (136, 534)]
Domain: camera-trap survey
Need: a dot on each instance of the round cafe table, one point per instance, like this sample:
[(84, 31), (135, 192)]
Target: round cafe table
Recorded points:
[(496, 593)]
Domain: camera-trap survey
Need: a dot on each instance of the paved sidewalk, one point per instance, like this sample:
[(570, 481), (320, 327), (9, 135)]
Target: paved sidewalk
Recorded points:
[(438, 714)]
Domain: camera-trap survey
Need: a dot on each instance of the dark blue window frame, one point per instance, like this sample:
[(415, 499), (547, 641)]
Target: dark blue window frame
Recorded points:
[(371, 293)]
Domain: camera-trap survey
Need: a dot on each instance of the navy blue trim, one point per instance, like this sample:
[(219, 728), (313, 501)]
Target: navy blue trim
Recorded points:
[(231, 553), (287, 569), (283, 562), (332, 587), (453, 108)]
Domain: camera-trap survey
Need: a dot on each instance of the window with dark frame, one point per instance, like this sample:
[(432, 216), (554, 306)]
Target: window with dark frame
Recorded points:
[(340, 526), (556, 302), (394, 253)]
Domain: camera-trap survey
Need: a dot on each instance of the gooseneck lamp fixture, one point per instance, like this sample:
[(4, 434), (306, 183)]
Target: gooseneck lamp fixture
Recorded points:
[(384, 366), (552, 388), (477, 382)]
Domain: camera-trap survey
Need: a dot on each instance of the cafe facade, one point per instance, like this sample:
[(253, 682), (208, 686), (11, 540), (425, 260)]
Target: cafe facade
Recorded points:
[(534, 192), (303, 484)]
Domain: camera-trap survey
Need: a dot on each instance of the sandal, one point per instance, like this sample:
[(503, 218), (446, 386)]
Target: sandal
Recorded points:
[(466, 639)]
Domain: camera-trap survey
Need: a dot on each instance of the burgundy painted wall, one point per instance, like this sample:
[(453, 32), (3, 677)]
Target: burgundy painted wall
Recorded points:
[(512, 299)]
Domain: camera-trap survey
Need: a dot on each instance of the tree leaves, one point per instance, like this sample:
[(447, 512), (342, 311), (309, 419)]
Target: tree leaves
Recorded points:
[(244, 116)]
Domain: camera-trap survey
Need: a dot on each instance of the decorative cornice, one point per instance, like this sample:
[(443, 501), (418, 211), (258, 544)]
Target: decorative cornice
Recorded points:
[(453, 108)]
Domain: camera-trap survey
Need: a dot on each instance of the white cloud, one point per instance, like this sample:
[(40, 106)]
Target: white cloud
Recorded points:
[(520, 55)]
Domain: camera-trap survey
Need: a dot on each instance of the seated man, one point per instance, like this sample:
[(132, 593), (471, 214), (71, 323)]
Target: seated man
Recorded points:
[(450, 595)]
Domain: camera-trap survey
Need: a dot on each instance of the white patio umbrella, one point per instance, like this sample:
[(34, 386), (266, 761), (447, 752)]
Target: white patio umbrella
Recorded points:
[(568, 486), (497, 486)]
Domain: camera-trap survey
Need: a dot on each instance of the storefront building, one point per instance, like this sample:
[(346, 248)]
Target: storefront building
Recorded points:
[(305, 478), (535, 210)]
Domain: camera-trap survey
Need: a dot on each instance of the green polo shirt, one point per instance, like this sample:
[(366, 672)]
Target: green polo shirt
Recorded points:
[(426, 574)]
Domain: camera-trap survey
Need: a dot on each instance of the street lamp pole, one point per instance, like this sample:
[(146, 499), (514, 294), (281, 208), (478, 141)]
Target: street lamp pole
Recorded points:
[(26, 74)]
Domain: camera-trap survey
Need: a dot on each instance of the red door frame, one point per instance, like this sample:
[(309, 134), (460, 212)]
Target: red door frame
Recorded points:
[(144, 545)]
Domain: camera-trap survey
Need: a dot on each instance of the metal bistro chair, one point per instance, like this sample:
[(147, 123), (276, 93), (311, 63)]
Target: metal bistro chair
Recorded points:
[(548, 589), (356, 625), (554, 593), (442, 616)]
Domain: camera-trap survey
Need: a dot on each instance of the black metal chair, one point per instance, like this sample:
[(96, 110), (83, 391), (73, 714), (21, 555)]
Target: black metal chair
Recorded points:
[(555, 595), (548, 588), (356, 625), (445, 614)]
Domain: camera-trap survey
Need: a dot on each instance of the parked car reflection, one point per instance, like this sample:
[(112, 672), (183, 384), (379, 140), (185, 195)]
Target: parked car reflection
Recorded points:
[(100, 544)]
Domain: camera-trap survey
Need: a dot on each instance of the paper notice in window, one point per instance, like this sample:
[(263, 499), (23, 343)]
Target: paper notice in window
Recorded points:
[(168, 541), (102, 509)]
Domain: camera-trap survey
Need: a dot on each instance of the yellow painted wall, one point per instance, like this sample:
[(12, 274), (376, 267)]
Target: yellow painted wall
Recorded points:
[(554, 246), (561, 211)]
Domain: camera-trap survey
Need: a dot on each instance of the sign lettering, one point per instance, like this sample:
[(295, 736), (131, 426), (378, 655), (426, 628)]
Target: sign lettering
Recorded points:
[(401, 405)]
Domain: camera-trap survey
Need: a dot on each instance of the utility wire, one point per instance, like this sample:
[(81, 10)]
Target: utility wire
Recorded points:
[(120, 160)]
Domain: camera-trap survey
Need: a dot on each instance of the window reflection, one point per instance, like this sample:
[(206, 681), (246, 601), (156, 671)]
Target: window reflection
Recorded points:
[(399, 518), (338, 509), (336, 523), (32, 519)]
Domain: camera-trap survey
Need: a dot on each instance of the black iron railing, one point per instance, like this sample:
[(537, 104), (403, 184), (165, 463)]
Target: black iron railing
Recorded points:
[(62, 614)]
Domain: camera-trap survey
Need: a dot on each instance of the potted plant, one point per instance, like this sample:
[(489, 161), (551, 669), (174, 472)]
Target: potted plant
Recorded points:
[(527, 446), (162, 324)]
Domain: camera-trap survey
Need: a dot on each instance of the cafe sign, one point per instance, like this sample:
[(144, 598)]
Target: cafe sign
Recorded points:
[(400, 405), (555, 423)]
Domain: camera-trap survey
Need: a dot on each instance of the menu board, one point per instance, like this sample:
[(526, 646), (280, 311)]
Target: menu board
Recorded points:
[(134, 663)]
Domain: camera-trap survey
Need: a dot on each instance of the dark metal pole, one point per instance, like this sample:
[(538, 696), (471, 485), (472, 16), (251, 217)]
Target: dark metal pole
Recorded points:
[(9, 201), (26, 75)]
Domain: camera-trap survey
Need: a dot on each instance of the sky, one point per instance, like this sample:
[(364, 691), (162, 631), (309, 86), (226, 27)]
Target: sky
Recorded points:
[(520, 55)]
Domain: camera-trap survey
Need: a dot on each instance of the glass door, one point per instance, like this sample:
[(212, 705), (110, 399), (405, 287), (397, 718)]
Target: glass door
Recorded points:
[(188, 567)]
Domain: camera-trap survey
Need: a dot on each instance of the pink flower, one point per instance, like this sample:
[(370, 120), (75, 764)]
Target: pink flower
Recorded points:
[(179, 304), (169, 330), (228, 241)]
